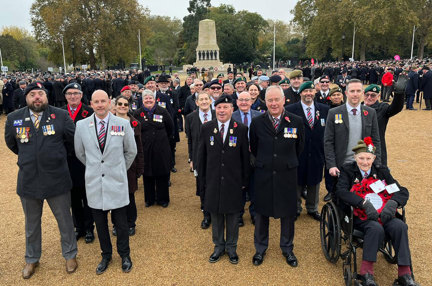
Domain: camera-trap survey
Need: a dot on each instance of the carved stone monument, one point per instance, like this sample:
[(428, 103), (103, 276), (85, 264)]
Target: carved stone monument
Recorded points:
[(207, 51)]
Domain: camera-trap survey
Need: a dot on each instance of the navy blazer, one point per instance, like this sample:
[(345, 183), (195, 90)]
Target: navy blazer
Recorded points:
[(237, 116)]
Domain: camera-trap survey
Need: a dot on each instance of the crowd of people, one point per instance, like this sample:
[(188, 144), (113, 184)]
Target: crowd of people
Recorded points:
[(269, 140)]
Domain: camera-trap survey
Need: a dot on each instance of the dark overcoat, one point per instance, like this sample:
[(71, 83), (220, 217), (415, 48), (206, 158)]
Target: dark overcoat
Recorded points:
[(137, 167), (311, 165), (43, 169), (223, 170), (155, 139), (277, 159)]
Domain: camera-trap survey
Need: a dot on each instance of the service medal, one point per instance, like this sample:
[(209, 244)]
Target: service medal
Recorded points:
[(52, 129), (211, 140), (231, 131)]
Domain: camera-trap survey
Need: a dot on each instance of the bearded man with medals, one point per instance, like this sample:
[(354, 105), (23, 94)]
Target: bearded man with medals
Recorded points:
[(375, 196), (82, 216)]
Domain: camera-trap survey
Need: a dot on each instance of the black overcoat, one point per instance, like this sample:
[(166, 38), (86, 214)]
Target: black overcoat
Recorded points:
[(277, 159), (223, 169)]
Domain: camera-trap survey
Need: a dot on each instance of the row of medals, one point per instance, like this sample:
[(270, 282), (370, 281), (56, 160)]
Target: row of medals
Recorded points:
[(121, 133)]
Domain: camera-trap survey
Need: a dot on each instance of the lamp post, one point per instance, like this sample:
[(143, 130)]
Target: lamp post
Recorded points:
[(343, 44), (73, 55)]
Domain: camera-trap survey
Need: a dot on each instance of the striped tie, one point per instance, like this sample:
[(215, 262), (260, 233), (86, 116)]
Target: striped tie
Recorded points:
[(276, 123), (309, 117), (102, 133), (205, 118), (36, 121), (222, 131)]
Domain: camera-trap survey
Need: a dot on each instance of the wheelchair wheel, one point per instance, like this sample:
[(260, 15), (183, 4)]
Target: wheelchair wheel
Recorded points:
[(347, 275), (388, 252), (330, 232)]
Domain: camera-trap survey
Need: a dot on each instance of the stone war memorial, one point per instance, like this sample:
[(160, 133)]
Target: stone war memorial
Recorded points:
[(207, 51)]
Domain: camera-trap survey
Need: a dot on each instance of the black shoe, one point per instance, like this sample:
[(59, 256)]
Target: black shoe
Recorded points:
[(412, 108), (205, 224), (297, 215), (79, 234), (191, 170), (291, 259), (89, 237), (169, 183), (315, 215), (164, 205), (405, 280), (126, 264), (240, 221), (103, 265), (174, 170), (426, 108), (114, 231), (147, 204), (233, 258), (132, 231), (215, 256), (303, 193), (258, 258), (253, 220), (327, 197), (367, 280)]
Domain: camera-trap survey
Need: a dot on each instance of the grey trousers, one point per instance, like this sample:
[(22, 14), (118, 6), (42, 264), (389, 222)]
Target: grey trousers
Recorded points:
[(218, 232), (312, 198), (60, 206)]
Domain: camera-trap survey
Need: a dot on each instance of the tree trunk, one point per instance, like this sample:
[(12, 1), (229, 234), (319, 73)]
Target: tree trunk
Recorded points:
[(421, 47), (92, 58), (103, 62), (363, 51)]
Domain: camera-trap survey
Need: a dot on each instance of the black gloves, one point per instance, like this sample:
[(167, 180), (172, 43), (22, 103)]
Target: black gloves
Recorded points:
[(389, 211), (370, 210)]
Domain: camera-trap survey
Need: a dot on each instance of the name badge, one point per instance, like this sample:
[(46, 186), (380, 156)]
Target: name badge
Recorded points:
[(162, 104), (17, 122), (158, 118)]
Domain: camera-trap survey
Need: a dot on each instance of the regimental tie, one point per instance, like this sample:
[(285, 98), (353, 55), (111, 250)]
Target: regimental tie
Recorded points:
[(276, 123), (309, 117), (222, 131), (36, 121), (73, 111), (354, 111), (205, 117), (245, 120), (102, 133)]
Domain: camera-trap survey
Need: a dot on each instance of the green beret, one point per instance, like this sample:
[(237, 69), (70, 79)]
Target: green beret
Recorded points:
[(306, 85), (221, 74), (373, 87), (365, 145), (295, 73), (285, 80), (149, 78), (239, 79)]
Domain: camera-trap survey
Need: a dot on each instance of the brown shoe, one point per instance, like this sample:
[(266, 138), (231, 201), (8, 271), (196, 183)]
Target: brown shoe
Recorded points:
[(29, 270), (71, 265)]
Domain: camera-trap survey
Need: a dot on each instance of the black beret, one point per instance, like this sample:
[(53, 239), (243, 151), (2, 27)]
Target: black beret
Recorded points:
[(72, 85), (206, 85), (215, 81), (37, 85), (224, 98), (324, 77), (275, 78), (162, 78)]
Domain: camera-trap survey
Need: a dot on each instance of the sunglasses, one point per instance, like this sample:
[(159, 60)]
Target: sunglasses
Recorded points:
[(215, 87), (324, 81), (123, 104)]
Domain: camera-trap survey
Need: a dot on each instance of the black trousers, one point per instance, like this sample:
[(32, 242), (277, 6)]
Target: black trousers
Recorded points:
[(249, 190), (202, 196), (374, 234), (261, 235), (156, 189), (428, 103), (119, 216), (81, 212), (131, 212), (220, 222)]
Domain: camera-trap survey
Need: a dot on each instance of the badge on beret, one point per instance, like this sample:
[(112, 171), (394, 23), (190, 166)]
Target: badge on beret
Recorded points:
[(75, 86), (39, 84)]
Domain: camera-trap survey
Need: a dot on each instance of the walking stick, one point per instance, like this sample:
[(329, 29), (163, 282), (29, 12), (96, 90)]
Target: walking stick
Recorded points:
[(421, 99)]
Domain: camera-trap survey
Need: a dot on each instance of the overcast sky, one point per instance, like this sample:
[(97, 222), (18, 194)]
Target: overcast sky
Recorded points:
[(17, 12)]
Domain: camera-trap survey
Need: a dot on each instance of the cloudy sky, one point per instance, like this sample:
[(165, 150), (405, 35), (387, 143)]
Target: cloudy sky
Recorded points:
[(16, 12)]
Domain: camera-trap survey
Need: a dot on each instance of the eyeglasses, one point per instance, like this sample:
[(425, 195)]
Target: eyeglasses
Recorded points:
[(72, 93), (324, 81), (123, 104), (371, 95), (198, 84), (243, 99), (215, 87)]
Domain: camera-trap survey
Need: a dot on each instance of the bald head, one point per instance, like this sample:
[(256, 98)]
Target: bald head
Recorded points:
[(100, 103), (244, 101)]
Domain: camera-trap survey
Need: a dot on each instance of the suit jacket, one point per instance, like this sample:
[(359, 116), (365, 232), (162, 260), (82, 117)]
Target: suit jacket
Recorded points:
[(43, 169), (76, 168), (426, 85), (277, 159), (223, 169), (336, 135), (190, 104), (310, 170), (237, 116), (106, 172), (19, 98), (193, 129)]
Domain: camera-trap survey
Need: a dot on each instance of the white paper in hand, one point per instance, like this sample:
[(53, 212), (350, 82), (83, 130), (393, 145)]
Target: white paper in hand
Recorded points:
[(393, 188), (378, 186)]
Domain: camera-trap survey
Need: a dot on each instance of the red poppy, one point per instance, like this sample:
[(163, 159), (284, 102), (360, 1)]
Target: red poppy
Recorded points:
[(365, 112), (235, 124), (158, 99), (328, 98), (287, 119), (134, 123), (368, 141), (84, 113), (142, 114), (52, 115)]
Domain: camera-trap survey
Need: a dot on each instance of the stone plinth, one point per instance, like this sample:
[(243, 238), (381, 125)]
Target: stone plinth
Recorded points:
[(207, 51)]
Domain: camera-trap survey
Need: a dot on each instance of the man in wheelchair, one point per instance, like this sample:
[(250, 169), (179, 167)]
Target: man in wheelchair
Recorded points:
[(375, 196)]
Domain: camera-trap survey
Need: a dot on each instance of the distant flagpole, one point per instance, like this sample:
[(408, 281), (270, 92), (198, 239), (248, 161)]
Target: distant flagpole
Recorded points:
[(353, 46), (139, 47), (64, 58), (1, 58), (274, 45)]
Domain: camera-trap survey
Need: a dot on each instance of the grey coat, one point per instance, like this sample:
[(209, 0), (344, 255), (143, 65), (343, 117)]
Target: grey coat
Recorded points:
[(106, 173)]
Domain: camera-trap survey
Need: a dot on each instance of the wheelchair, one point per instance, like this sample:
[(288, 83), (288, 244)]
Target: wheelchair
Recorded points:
[(337, 229)]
